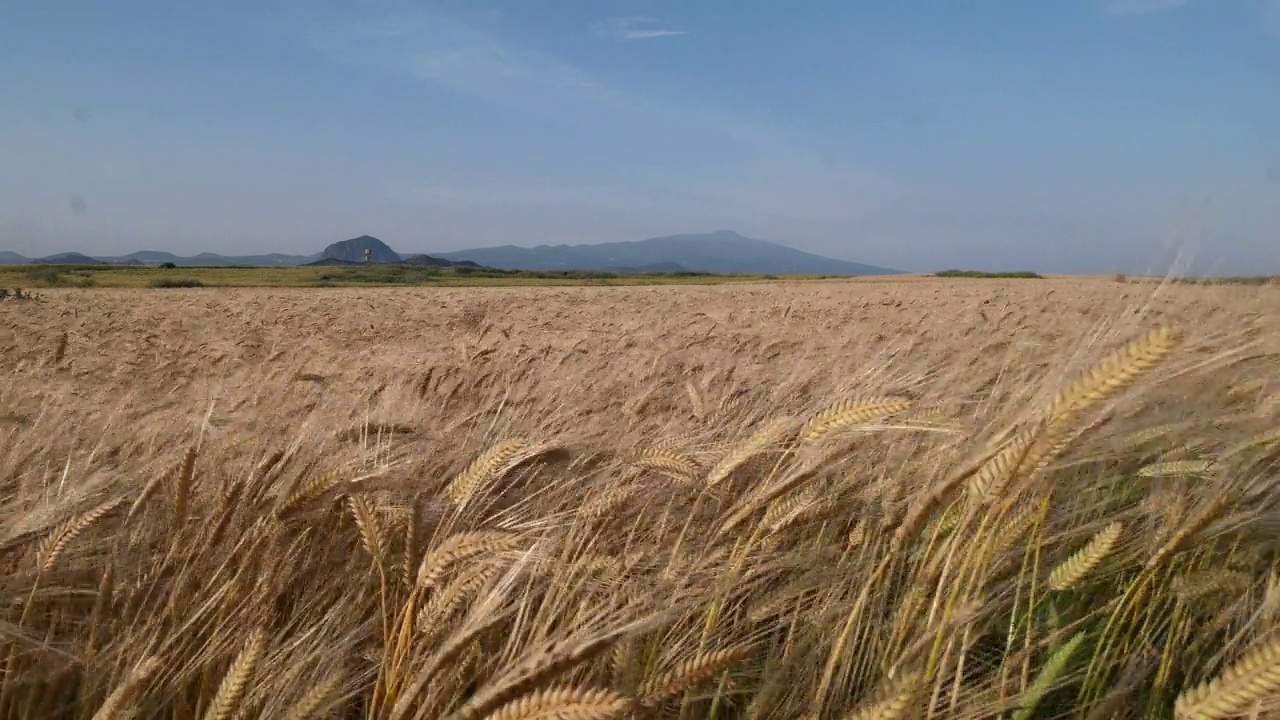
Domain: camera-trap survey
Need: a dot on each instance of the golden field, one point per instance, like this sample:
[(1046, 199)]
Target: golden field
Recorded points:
[(889, 498)]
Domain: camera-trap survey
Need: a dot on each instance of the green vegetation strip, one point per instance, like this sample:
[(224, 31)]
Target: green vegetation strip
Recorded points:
[(982, 274)]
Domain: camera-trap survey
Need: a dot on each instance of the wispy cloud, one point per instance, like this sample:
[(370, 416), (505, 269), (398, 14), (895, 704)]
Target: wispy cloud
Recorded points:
[(1141, 7), (765, 178), (1271, 17), (437, 49), (634, 27), (440, 50)]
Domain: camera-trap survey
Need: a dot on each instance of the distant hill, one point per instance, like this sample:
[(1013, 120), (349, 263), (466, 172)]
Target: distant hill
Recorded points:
[(723, 251), (155, 257), (431, 261), (353, 250)]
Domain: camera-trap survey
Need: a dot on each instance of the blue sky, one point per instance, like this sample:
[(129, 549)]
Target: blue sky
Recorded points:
[(1068, 136)]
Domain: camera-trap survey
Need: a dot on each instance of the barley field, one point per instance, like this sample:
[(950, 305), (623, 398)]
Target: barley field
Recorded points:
[(893, 498)]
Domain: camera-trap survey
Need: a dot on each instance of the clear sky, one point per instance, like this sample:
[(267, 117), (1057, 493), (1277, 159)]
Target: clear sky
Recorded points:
[(1057, 135)]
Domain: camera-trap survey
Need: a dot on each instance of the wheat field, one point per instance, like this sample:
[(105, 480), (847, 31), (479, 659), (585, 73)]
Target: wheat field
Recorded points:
[(911, 498)]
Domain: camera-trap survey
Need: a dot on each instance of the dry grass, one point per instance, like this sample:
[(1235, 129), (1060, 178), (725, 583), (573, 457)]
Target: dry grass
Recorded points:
[(911, 499)]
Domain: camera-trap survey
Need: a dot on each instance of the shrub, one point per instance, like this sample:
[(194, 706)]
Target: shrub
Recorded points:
[(168, 265), (983, 274), (17, 295)]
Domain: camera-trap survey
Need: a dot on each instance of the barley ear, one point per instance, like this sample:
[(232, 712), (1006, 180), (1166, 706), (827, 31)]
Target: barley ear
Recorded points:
[(227, 700), (1115, 373), (499, 459), (372, 534), (460, 547), (65, 534), (1045, 679), (994, 474), (1175, 468), (1232, 693), (314, 703), (688, 674), (555, 659), (564, 704), (697, 404), (1073, 569), (668, 462), (771, 432), (113, 706), (182, 485), (892, 707), (846, 413), (308, 489)]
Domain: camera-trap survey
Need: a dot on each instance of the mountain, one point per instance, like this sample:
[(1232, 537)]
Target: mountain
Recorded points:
[(149, 257), (70, 258), (331, 262), (155, 257), (662, 267), (353, 250), (723, 251)]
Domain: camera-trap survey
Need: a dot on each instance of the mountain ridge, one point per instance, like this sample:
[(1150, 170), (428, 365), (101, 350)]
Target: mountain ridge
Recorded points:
[(722, 251)]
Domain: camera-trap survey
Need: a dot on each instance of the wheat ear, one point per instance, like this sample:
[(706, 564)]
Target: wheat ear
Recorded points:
[(845, 413), (1253, 678), (1073, 569), (227, 700), (564, 704)]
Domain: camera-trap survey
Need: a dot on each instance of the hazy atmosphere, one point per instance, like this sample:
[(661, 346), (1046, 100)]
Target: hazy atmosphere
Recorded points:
[(1073, 136)]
